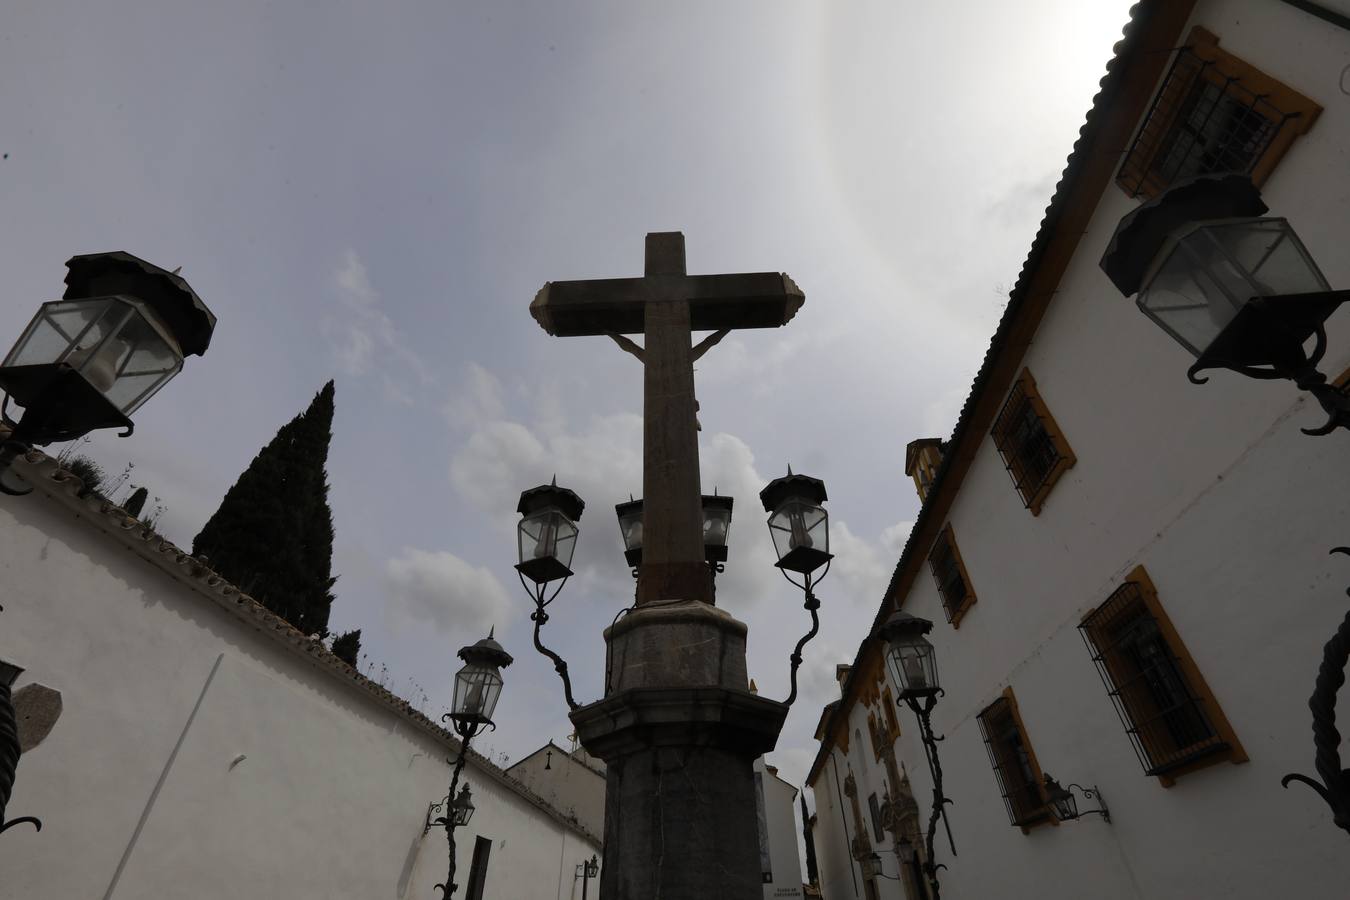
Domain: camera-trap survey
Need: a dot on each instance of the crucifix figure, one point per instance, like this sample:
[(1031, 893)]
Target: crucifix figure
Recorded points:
[(666, 306)]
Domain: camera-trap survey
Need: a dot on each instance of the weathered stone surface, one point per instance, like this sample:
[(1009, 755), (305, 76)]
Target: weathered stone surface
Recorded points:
[(36, 709), (676, 643)]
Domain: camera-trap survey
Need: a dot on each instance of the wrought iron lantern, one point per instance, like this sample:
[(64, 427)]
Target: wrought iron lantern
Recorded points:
[(464, 807), (798, 523), (1235, 287), (1065, 806), (800, 529), (478, 685), (630, 529), (91, 359), (716, 527), (547, 533), (911, 657)]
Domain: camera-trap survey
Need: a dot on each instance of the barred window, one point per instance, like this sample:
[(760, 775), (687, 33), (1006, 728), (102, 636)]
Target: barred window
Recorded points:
[(950, 574), (1032, 446), (1015, 769), (1213, 113), (1173, 721)]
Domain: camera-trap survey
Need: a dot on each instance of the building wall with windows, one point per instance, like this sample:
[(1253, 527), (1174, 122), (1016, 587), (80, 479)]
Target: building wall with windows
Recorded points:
[(1185, 547), (204, 748)]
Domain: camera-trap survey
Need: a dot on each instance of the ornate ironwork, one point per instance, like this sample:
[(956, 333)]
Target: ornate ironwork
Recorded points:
[(9, 759), (538, 593), (940, 801), (811, 605), (1334, 788), (467, 730)]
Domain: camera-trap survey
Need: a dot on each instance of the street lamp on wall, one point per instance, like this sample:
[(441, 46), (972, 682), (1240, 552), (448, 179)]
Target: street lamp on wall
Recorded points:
[(800, 528), (1235, 287), (913, 665), (1065, 806), (91, 359), (478, 686)]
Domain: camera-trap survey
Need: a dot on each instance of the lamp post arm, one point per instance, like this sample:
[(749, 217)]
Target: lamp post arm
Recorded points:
[(1334, 787), (9, 759), (539, 617), (448, 889), (811, 605)]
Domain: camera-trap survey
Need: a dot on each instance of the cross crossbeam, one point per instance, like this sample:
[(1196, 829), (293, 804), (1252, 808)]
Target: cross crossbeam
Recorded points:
[(667, 305)]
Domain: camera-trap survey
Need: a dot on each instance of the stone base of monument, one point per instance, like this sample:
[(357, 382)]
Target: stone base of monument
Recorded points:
[(679, 731)]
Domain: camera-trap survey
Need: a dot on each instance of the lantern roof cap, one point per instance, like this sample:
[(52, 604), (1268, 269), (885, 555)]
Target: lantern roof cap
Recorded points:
[(1142, 233), (167, 293), (902, 624), (628, 506), (550, 495), (487, 651), (789, 486), (716, 501)]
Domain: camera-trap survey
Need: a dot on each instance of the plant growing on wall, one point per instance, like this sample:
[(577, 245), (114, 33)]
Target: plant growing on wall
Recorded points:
[(273, 533), (347, 646)]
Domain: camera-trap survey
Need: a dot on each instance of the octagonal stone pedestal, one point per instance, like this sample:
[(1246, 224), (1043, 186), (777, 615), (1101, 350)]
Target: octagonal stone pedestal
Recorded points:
[(679, 731)]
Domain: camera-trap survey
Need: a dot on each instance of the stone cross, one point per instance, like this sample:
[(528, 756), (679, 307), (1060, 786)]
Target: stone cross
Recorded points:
[(667, 305)]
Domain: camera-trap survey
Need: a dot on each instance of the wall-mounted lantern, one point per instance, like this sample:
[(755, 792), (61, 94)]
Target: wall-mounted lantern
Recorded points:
[(1065, 806), (1235, 287)]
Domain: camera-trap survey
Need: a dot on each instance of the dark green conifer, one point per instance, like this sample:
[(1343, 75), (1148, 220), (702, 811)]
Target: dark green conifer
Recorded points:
[(273, 533), (348, 647)]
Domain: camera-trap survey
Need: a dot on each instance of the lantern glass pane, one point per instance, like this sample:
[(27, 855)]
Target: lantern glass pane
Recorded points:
[(716, 527), (630, 527), (140, 359), (63, 327), (477, 688), (1066, 807), (546, 534), (913, 665), (799, 523), (1209, 272)]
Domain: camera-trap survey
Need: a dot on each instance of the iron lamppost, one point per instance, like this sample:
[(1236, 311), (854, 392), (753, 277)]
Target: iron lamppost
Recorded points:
[(91, 359), (478, 685), (913, 665)]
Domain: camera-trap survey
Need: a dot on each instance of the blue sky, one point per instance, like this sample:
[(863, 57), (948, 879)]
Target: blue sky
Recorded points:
[(374, 192)]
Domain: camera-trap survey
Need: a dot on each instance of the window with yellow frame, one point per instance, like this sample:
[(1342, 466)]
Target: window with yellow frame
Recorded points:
[(1214, 112)]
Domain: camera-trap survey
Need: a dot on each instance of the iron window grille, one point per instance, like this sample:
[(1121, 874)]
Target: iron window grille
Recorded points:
[(1213, 113), (953, 583), (1014, 769), (1164, 715), (874, 807), (1032, 447)]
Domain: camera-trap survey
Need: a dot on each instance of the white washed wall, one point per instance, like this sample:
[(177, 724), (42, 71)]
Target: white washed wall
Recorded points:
[(162, 691), (780, 811), (1214, 490)]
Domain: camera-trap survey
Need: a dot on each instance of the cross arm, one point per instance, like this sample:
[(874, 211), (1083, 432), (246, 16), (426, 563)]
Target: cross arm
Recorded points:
[(716, 302)]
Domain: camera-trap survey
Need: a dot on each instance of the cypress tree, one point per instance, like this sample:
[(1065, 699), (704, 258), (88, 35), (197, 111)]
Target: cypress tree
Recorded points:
[(273, 533), (348, 647), (136, 502)]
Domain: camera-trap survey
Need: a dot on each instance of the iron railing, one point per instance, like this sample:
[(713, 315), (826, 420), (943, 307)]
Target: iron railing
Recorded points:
[(1008, 754), (1024, 441)]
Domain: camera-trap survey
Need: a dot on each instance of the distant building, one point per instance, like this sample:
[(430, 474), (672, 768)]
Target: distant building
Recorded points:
[(1128, 573), (572, 781), (182, 740)]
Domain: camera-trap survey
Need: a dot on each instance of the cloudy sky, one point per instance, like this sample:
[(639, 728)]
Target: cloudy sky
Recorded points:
[(374, 192)]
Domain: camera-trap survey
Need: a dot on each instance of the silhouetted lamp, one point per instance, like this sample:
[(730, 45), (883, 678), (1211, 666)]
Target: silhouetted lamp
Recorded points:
[(547, 534), (1233, 286), (912, 660), (478, 685), (798, 523), (89, 360)]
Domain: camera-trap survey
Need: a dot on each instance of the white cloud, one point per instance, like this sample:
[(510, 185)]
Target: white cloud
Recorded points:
[(442, 590), (477, 400), (361, 330)]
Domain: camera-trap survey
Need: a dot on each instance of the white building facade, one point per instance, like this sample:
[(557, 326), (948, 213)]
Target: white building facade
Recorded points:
[(202, 747), (1147, 618)]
